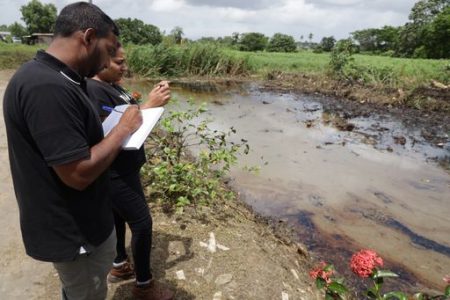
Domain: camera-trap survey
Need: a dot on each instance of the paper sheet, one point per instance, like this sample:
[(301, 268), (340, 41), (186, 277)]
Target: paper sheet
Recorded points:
[(149, 116)]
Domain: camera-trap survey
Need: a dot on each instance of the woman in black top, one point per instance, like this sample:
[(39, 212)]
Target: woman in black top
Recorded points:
[(126, 191)]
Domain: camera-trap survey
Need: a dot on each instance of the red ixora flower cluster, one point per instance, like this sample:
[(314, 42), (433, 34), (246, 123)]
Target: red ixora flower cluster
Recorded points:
[(136, 95), (446, 279), (364, 262), (321, 273)]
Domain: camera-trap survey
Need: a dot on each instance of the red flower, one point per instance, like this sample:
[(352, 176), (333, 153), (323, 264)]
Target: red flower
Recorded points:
[(364, 262), (136, 95), (446, 279), (319, 271)]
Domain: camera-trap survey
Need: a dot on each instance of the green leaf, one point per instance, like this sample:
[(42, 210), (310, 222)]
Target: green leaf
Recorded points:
[(447, 291), (419, 296), (371, 293), (320, 283), (383, 273), (395, 295), (330, 296), (337, 288)]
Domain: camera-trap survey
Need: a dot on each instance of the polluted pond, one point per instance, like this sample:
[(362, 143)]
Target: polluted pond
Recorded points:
[(344, 176)]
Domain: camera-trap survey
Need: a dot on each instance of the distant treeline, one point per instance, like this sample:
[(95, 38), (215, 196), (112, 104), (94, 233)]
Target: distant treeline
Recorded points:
[(425, 35)]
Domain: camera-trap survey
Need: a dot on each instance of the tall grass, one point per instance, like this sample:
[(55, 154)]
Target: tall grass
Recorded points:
[(409, 72), (202, 59), (303, 61), (13, 55)]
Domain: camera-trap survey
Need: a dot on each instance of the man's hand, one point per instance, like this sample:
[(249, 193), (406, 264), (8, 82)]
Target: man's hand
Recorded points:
[(131, 119), (81, 173), (159, 95)]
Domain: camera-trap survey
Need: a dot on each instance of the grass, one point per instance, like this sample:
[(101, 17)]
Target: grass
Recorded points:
[(212, 60), (192, 59), (304, 61), (13, 55), (410, 72)]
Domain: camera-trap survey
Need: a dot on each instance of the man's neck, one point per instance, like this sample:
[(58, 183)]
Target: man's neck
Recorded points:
[(66, 50)]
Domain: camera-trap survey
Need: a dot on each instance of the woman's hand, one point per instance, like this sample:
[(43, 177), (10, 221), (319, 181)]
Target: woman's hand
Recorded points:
[(158, 96)]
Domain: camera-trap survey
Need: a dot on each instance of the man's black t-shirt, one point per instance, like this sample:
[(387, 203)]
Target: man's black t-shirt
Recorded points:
[(110, 95), (50, 121)]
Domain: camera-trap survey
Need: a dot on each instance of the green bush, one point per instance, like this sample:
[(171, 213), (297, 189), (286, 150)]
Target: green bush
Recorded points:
[(178, 178), (341, 56)]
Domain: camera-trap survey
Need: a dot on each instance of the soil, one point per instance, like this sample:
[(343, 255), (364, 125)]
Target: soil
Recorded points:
[(220, 252)]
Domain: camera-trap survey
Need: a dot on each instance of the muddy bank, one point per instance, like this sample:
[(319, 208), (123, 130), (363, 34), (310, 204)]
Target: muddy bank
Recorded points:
[(226, 252), (431, 96)]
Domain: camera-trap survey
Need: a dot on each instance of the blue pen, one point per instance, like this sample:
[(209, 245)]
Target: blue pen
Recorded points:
[(110, 109), (107, 108)]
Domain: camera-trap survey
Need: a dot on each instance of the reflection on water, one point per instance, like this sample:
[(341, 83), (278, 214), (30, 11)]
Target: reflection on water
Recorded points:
[(370, 187)]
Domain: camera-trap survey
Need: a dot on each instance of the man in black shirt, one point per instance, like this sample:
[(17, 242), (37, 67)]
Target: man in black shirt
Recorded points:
[(58, 156)]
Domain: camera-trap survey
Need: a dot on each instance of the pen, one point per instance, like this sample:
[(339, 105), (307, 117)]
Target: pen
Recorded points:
[(110, 109)]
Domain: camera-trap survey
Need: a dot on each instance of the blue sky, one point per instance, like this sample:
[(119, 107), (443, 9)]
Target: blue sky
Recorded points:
[(223, 17)]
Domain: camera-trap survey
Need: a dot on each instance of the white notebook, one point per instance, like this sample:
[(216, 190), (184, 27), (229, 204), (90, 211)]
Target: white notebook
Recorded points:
[(149, 118)]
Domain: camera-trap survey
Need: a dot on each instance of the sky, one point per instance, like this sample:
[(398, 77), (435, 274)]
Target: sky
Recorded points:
[(215, 18)]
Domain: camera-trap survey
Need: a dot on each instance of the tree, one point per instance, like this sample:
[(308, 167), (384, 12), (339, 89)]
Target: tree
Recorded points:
[(412, 37), (4, 27), (310, 37), (235, 38), (17, 30), (252, 41), (424, 11), (137, 32), (327, 43), (38, 17), (366, 39), (437, 36), (177, 34), (377, 40), (281, 43), (387, 38)]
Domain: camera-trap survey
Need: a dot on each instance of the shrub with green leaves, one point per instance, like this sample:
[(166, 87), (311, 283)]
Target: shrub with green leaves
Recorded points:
[(175, 175), (341, 56)]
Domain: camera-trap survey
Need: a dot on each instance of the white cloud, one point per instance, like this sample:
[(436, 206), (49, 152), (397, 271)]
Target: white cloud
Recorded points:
[(166, 5), (223, 17)]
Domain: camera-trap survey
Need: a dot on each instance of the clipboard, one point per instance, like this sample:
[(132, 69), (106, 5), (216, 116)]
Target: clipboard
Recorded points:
[(150, 117)]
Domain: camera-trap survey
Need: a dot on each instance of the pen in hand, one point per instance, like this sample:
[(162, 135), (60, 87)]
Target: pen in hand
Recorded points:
[(111, 109)]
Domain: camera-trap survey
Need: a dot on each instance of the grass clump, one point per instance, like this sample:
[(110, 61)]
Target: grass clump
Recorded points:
[(202, 59), (14, 55)]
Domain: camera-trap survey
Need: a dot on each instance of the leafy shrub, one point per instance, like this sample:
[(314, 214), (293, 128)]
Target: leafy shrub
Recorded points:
[(341, 56), (178, 178)]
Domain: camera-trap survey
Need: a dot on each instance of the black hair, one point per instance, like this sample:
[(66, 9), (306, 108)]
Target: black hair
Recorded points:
[(81, 16)]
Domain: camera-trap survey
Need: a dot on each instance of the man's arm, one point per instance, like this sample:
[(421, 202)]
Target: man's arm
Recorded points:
[(81, 173)]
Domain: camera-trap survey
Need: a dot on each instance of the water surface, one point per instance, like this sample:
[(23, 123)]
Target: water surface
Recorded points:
[(372, 187)]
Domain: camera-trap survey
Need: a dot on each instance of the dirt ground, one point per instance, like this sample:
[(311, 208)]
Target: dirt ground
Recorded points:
[(222, 252)]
